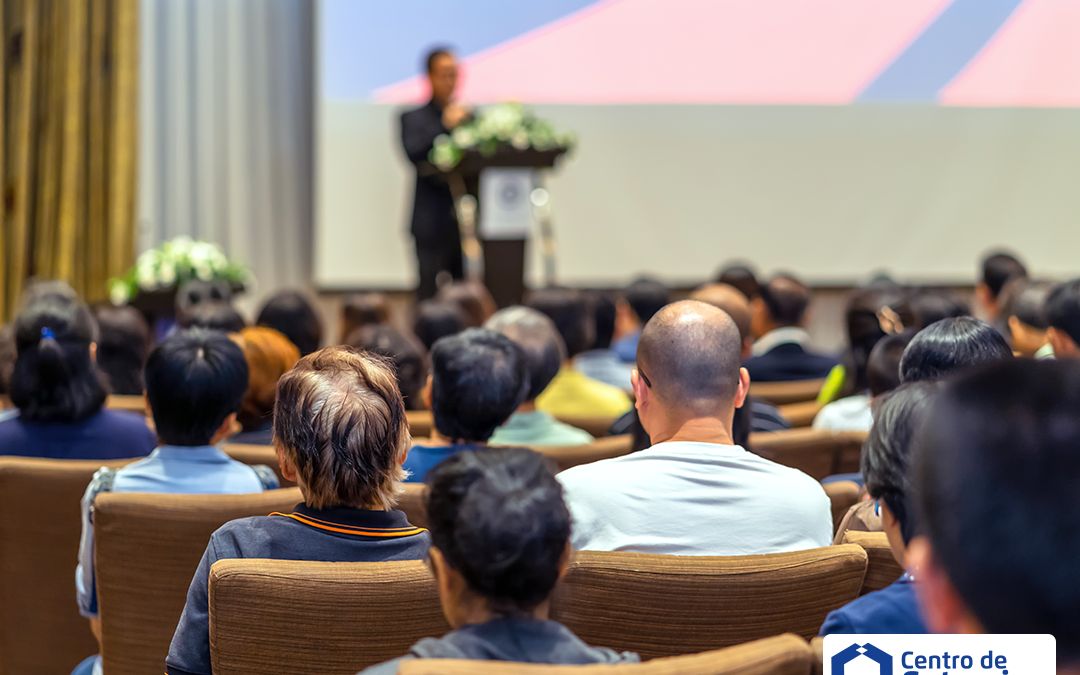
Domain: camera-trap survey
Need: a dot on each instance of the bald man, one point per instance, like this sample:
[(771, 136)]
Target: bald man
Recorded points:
[(693, 492), (780, 353)]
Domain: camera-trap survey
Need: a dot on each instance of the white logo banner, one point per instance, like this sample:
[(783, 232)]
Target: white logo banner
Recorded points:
[(940, 655)]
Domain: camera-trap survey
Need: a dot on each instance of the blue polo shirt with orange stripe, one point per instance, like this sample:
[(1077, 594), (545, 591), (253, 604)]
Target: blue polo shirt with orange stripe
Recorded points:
[(339, 534)]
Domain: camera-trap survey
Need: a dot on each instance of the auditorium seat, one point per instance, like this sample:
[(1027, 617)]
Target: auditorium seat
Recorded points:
[(566, 456), (842, 495), (780, 655), (817, 646), (412, 503), (881, 566), (597, 426), (41, 630), (819, 453), (148, 547), (800, 414), (661, 605), (421, 422), (782, 393), (314, 618), (129, 403), (257, 454)]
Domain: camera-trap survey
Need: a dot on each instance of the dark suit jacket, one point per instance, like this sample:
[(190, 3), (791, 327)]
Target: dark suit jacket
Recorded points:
[(433, 217), (787, 362)]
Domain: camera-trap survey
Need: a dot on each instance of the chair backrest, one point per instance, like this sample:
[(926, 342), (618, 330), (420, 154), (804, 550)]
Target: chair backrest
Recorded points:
[(281, 617), (147, 549), (780, 393), (412, 503), (817, 646), (800, 414), (842, 495), (257, 454), (421, 422), (817, 453), (597, 426), (661, 605), (41, 630), (780, 655), (567, 456), (881, 566), (130, 403)]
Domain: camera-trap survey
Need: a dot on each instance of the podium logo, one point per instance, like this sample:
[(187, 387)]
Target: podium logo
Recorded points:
[(841, 659)]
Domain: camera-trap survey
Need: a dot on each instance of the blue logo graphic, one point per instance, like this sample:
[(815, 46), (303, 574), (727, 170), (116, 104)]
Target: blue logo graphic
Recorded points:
[(853, 652)]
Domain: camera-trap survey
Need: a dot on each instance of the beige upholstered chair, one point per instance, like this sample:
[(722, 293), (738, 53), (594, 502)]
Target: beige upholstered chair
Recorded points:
[(881, 566), (782, 393), (148, 547), (659, 605), (781, 655), (278, 617), (412, 503), (421, 422), (800, 414), (41, 630), (129, 403), (842, 495), (817, 453), (257, 454), (573, 455)]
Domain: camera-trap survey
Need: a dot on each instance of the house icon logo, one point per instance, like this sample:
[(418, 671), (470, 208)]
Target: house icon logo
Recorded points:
[(841, 659)]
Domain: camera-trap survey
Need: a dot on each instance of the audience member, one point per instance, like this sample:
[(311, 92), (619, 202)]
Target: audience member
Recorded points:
[(742, 277), (929, 306), (600, 362), (885, 460), (362, 309), (693, 492), (995, 475), (1063, 316), (435, 319), (780, 353), (951, 345), (545, 353), (499, 543), (190, 295), (1024, 309), (997, 270), (195, 382), (219, 316), (641, 300), (60, 394), (405, 352), (478, 379), (269, 355), (571, 393), (854, 413), (293, 315), (472, 297), (349, 480), (122, 347)]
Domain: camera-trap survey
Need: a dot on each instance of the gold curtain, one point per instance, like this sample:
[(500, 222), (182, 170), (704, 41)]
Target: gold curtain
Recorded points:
[(68, 140)]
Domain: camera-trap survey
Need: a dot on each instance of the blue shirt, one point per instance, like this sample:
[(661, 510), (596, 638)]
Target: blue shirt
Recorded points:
[(626, 347), (892, 610), (107, 434), (422, 458)]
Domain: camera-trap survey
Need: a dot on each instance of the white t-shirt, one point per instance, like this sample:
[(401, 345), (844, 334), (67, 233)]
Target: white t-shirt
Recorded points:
[(847, 414), (683, 498)]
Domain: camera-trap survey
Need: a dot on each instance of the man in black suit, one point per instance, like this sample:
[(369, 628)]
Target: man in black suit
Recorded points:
[(434, 222), (780, 353)]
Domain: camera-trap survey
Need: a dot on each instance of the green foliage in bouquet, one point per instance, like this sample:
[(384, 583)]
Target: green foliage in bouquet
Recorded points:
[(172, 264), (494, 125)]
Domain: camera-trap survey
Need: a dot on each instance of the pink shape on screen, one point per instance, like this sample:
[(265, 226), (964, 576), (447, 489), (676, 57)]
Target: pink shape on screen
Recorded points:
[(694, 51), (1034, 60)]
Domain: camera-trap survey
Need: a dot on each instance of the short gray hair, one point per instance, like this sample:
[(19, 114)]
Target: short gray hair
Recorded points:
[(538, 337)]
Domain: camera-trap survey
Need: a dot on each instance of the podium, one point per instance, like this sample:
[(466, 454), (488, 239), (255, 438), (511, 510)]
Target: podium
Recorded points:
[(499, 262)]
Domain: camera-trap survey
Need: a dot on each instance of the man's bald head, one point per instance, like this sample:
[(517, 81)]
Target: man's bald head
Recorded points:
[(691, 353), (729, 299)]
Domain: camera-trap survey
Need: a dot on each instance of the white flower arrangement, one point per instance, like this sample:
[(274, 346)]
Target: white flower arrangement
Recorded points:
[(503, 123), (172, 264)]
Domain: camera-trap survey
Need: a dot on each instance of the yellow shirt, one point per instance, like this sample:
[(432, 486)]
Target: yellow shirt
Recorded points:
[(572, 394)]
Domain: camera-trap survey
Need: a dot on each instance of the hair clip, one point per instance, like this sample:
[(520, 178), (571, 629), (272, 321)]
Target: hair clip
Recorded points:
[(47, 334)]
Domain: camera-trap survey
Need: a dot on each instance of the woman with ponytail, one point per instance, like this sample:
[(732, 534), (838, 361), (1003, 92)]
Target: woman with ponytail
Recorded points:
[(59, 392)]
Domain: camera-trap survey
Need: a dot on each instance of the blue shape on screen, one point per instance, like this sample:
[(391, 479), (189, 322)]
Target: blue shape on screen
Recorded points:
[(368, 44), (941, 52)]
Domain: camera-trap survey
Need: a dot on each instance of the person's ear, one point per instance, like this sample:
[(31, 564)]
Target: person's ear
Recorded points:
[(641, 390), (1064, 347), (229, 427), (425, 393), (288, 469), (564, 561), (941, 606), (744, 387), (93, 352)]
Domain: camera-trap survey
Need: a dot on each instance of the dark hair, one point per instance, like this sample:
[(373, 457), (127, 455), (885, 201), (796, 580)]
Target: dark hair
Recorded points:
[(646, 297), (932, 306), (219, 316), (294, 316), (54, 379), (1063, 309), (1026, 300), (499, 519), (538, 338), (872, 313), (405, 352), (998, 268), (436, 319), (472, 297), (883, 366), (429, 60), (888, 446), (362, 309), (195, 379), (786, 299), (479, 378), (570, 312), (122, 347), (951, 345), (741, 277), (604, 311), (996, 474), (8, 354)]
